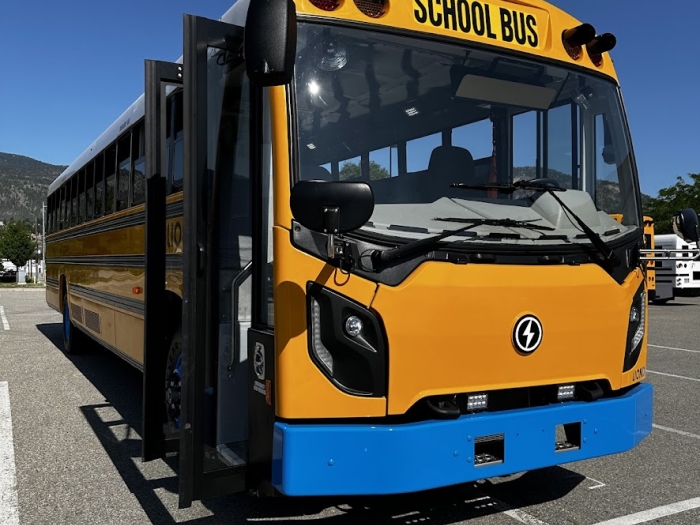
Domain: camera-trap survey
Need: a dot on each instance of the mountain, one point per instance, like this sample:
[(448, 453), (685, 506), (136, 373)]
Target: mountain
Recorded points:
[(23, 185)]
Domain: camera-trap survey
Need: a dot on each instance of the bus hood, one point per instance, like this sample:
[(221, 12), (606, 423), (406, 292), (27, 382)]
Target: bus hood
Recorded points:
[(451, 328)]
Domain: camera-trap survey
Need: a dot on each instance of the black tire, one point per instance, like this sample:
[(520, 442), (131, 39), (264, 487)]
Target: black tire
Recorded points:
[(73, 338)]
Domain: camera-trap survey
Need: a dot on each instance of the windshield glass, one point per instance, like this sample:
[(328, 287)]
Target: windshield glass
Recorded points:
[(412, 117)]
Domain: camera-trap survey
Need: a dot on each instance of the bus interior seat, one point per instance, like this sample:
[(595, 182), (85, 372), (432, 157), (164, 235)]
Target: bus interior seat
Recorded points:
[(449, 164)]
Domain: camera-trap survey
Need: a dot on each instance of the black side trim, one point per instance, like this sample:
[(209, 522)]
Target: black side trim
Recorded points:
[(54, 283), (261, 405), (173, 261), (110, 299), (123, 261)]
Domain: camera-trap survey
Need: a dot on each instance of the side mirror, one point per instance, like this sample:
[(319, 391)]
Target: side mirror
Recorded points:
[(332, 207), (685, 225), (270, 42)]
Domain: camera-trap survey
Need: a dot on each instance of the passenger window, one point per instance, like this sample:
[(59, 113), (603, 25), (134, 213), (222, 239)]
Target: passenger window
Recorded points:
[(124, 157), (476, 137), (418, 151), (562, 159)]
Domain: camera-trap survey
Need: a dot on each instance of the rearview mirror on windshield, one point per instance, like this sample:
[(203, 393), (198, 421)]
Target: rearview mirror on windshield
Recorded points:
[(330, 206), (685, 225)]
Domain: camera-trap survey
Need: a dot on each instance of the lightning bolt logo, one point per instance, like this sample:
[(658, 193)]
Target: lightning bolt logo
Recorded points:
[(527, 334)]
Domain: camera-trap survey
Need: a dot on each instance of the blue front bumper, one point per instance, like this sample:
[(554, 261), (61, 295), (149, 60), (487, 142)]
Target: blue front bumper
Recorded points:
[(324, 460)]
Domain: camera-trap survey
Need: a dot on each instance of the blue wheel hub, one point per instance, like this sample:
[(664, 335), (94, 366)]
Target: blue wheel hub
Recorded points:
[(66, 321)]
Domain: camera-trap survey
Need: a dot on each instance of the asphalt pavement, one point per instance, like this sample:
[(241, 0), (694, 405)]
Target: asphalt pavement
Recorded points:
[(72, 454)]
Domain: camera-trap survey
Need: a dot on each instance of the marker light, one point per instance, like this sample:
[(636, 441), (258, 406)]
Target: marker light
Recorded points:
[(477, 401), (576, 37), (599, 45), (326, 5), (321, 351), (372, 8), (565, 392), (353, 326), (639, 333), (634, 315)]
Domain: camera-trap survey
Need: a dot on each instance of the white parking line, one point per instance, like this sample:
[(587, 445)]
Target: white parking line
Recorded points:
[(5, 324), (523, 517), (674, 348), (681, 432), (9, 507), (673, 375), (655, 513)]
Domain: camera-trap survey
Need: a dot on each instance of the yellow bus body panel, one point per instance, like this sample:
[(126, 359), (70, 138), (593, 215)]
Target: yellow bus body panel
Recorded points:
[(450, 328), (478, 22), (302, 390)]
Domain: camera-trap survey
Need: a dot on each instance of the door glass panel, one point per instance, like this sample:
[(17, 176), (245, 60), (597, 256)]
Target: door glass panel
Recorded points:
[(228, 163)]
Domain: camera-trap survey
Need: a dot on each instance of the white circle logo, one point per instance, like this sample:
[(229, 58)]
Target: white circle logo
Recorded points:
[(527, 334)]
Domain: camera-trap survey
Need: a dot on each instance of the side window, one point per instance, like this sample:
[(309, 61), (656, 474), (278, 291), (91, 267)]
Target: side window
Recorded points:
[(99, 186), (526, 160), (138, 181), (81, 196), (124, 174), (562, 157), (418, 151), (111, 178), (90, 191), (607, 181), (74, 200), (177, 142)]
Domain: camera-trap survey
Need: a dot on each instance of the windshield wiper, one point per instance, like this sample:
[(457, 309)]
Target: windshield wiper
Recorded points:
[(429, 242), (550, 186)]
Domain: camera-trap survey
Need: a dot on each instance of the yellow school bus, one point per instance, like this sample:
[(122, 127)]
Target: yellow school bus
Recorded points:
[(367, 247), (651, 265)]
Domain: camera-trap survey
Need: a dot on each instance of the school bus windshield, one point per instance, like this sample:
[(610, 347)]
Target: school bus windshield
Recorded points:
[(411, 117)]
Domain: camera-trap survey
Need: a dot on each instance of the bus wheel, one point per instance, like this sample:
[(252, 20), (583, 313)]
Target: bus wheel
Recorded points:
[(71, 335), (173, 380)]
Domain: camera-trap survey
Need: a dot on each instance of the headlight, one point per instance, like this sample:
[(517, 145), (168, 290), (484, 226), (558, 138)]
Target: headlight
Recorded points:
[(635, 331), (346, 342)]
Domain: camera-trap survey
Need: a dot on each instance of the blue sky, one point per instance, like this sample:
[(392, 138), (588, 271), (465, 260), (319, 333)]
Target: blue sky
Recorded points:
[(70, 68)]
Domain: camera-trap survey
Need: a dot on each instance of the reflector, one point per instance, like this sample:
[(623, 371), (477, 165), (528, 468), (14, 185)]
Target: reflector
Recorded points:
[(372, 8), (326, 5)]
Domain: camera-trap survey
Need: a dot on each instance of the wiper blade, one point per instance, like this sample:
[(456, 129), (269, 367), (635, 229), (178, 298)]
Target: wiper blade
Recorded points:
[(550, 186), (429, 242), (506, 223), (531, 184)]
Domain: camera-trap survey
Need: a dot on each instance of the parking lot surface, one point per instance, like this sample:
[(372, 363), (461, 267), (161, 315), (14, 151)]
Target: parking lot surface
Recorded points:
[(70, 448)]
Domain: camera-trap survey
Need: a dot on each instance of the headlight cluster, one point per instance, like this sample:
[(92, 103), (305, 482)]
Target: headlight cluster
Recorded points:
[(635, 331), (346, 342)]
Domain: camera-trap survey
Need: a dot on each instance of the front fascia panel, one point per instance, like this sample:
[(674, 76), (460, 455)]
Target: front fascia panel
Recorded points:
[(302, 389), (450, 328)]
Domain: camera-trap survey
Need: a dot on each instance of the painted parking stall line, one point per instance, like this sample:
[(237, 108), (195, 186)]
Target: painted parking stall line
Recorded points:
[(676, 431), (675, 348), (5, 324), (655, 513), (673, 375), (9, 507)]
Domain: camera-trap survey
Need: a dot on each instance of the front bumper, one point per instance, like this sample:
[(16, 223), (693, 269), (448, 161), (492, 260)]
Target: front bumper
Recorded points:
[(343, 459)]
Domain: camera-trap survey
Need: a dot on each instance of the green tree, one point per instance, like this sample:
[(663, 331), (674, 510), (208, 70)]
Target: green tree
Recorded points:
[(671, 200), (351, 170), (16, 243)]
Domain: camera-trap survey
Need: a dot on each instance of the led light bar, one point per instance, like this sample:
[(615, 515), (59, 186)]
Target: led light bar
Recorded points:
[(565, 392), (477, 401)]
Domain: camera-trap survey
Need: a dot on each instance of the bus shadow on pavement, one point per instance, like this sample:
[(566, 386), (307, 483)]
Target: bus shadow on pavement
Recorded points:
[(120, 384)]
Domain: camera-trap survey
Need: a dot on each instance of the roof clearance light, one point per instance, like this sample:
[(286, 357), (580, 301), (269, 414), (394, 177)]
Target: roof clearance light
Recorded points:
[(576, 37), (372, 8), (599, 45), (326, 5)]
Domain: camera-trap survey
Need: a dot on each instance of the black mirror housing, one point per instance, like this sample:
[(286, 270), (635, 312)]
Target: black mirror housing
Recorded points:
[(270, 42), (686, 225), (330, 206)]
